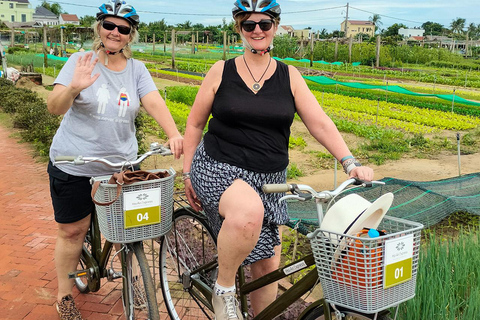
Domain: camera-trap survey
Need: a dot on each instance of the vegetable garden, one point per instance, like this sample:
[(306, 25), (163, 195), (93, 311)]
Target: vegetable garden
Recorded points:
[(386, 126)]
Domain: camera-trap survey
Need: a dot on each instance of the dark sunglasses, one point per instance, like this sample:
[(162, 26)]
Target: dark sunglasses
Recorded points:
[(110, 26), (250, 25)]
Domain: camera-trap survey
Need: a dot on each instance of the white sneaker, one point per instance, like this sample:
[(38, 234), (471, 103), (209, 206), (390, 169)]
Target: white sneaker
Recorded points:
[(226, 306)]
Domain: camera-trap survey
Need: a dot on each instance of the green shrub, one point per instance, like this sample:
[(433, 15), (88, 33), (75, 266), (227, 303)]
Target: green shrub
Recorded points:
[(182, 94), (39, 126), (15, 98), (13, 50)]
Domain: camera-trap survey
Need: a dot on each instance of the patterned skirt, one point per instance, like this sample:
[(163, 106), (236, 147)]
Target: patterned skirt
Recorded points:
[(211, 178)]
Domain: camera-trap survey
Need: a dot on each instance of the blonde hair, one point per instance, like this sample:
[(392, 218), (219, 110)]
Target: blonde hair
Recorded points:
[(97, 42), (239, 18)]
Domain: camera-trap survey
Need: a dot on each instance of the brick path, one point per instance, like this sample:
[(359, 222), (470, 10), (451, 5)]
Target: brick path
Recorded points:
[(27, 241)]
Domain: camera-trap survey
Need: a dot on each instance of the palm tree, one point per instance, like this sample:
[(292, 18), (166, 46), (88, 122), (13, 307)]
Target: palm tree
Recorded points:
[(375, 19), (457, 25), (472, 30)]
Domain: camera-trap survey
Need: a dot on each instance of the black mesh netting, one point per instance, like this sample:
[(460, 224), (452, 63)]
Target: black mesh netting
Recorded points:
[(424, 202)]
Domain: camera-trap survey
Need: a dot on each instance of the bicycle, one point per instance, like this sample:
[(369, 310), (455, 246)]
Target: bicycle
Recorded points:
[(138, 291), (188, 266)]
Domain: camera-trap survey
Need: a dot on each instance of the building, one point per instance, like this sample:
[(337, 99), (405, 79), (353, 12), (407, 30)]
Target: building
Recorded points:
[(43, 16), (16, 11), (284, 30), (303, 34), (408, 33), (355, 27), (69, 19)]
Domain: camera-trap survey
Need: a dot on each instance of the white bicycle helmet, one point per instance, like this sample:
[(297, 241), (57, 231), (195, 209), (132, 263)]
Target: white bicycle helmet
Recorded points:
[(121, 9), (270, 7)]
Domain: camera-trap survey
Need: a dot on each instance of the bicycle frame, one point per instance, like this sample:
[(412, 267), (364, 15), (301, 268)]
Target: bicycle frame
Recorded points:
[(275, 308)]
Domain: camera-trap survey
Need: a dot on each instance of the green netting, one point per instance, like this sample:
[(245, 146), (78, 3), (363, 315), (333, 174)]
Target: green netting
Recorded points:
[(397, 89), (424, 202), (53, 57), (337, 63)]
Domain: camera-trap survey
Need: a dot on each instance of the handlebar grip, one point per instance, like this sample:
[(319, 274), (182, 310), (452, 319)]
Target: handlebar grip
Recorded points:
[(65, 158), (276, 188)]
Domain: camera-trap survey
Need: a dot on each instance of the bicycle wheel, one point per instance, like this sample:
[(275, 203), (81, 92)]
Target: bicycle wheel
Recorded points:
[(82, 282), (85, 284), (189, 245), (138, 295), (318, 313)]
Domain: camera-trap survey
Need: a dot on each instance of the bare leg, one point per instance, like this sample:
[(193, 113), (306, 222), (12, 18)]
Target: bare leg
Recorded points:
[(243, 211), (68, 248), (262, 297)]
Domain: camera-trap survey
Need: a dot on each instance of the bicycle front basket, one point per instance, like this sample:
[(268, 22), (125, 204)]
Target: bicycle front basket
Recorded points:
[(368, 274), (142, 211)]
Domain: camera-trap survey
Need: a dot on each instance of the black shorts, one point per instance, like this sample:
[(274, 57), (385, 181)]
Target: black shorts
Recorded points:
[(71, 195)]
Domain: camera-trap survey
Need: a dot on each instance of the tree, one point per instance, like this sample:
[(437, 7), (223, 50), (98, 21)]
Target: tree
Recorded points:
[(392, 31), (323, 34), (338, 34), (433, 28), (87, 21), (473, 30), (55, 8), (375, 19), (457, 25)]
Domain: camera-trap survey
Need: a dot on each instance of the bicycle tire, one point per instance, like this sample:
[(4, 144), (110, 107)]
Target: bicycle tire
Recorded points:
[(91, 282), (318, 313), (82, 282), (188, 245), (138, 293)]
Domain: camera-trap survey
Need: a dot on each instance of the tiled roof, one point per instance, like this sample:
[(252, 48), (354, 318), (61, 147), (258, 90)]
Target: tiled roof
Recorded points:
[(69, 17), (42, 11), (362, 22)]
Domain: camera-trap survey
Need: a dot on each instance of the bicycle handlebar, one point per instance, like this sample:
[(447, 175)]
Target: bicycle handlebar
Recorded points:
[(305, 192), (155, 148)]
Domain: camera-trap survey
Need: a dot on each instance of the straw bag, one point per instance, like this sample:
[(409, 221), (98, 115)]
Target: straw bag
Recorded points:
[(126, 177)]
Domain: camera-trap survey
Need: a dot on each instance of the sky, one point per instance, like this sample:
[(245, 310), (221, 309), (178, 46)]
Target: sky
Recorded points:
[(316, 14)]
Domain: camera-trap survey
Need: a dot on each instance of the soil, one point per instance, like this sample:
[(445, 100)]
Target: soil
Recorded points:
[(441, 166)]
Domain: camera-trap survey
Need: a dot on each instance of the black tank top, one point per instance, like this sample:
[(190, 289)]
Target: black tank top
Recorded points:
[(249, 130)]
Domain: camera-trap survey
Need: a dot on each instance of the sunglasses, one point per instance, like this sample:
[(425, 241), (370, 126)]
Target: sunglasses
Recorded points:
[(110, 26), (250, 25)]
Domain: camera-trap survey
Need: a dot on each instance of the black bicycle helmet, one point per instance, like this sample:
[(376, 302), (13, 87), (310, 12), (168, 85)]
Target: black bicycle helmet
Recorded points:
[(270, 7), (121, 9)]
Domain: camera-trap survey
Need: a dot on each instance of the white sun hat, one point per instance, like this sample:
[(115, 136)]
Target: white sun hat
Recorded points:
[(352, 213)]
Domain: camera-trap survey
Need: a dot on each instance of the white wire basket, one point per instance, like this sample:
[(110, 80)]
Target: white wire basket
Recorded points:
[(143, 209), (369, 274)]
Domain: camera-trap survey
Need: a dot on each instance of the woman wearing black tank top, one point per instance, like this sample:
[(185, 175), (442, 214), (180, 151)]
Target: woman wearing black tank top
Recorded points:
[(252, 100)]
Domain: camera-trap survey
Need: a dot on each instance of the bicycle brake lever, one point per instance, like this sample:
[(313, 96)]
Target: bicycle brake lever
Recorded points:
[(301, 197)]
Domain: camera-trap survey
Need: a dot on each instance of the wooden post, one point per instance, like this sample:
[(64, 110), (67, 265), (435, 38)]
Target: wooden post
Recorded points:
[(165, 42), (193, 43), (311, 47), (61, 42), (45, 52), (224, 45), (153, 48), (466, 46), (12, 38), (350, 44), (377, 63), (173, 48), (336, 50)]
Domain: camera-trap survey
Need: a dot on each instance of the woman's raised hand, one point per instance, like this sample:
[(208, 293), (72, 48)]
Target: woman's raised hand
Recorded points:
[(82, 76)]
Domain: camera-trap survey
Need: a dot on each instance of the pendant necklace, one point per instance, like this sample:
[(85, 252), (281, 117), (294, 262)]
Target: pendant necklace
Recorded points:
[(256, 85)]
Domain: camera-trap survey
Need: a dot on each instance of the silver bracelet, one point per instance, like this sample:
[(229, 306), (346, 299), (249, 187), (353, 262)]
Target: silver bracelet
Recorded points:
[(185, 176)]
